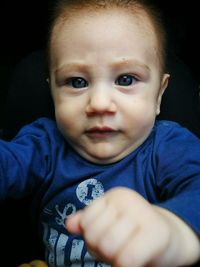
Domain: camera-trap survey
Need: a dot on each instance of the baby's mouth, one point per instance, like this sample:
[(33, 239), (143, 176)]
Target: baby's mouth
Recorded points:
[(101, 132)]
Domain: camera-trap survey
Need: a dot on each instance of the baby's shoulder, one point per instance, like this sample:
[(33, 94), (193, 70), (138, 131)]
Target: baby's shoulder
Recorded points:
[(172, 134)]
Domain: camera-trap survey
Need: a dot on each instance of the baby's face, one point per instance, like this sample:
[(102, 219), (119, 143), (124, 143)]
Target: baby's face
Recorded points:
[(106, 83)]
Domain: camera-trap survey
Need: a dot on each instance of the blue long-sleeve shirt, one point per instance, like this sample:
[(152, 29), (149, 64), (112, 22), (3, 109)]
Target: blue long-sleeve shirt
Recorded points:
[(165, 170)]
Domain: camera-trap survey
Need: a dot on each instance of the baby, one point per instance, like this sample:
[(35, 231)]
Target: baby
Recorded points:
[(114, 186)]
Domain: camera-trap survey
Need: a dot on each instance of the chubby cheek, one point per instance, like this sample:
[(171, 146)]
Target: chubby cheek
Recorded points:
[(139, 118), (69, 120)]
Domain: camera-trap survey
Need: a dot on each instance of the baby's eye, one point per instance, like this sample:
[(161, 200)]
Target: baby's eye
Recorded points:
[(77, 82), (125, 80)]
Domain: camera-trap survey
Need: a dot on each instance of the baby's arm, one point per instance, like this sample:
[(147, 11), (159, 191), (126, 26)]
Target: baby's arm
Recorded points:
[(123, 229)]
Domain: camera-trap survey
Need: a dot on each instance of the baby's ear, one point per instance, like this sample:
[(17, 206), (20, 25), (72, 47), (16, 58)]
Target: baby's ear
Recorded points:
[(163, 86), (47, 80)]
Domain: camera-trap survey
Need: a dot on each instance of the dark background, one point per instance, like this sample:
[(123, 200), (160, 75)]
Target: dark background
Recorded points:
[(24, 27)]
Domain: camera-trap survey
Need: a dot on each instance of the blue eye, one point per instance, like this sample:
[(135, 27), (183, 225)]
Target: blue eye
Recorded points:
[(125, 80), (77, 82)]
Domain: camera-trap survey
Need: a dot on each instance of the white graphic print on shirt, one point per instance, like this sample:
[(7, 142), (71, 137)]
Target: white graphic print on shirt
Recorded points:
[(56, 243)]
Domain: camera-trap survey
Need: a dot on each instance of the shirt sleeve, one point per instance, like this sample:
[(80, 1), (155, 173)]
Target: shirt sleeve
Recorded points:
[(178, 174), (24, 161)]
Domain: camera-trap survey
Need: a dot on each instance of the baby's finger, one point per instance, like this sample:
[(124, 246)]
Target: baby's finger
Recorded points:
[(91, 212), (99, 226), (116, 236), (77, 222), (72, 223)]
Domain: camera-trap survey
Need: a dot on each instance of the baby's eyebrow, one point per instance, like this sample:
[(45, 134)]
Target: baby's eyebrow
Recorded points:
[(70, 67), (130, 62)]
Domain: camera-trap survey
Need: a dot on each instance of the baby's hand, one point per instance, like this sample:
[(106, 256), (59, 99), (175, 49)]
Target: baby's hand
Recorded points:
[(124, 230)]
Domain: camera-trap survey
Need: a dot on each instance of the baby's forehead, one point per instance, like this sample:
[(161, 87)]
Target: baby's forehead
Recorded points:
[(101, 23), (83, 17)]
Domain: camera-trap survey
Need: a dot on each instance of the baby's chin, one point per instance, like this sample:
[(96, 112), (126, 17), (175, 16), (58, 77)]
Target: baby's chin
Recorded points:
[(101, 157)]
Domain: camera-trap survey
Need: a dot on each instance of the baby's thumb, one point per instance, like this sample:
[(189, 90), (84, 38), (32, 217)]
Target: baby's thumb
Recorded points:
[(72, 223)]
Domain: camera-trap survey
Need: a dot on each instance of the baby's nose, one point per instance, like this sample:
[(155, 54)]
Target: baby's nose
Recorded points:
[(101, 101)]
